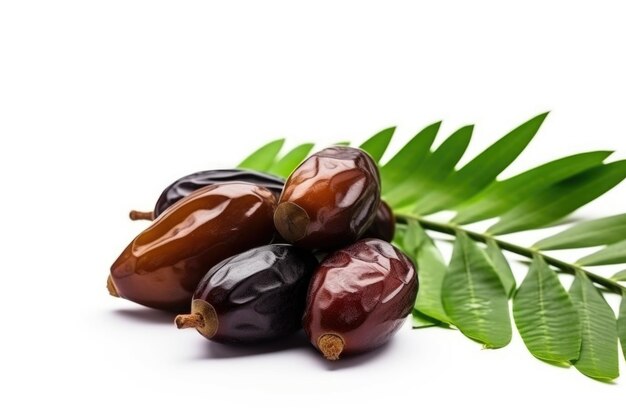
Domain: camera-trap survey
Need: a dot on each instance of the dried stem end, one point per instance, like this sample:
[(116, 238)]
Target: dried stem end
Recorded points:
[(291, 221), (141, 215), (111, 287), (186, 321), (203, 318), (331, 346)]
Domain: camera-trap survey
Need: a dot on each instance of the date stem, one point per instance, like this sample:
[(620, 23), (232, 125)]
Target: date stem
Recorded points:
[(187, 321), (141, 215), (111, 287), (331, 346)]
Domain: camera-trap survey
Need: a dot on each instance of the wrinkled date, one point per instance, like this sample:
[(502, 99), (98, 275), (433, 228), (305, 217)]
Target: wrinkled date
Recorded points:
[(384, 225), (330, 199), (162, 266), (184, 186), (359, 296), (255, 296)]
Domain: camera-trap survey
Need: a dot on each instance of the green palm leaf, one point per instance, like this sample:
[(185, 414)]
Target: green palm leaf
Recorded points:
[(586, 234), (545, 316), (285, 165), (428, 176), (598, 352), (473, 296), (621, 324), (263, 158), (471, 291), (501, 266), (419, 320), (503, 196), (561, 199), (431, 270), (407, 159), (377, 144), (442, 161), (612, 254), (482, 170)]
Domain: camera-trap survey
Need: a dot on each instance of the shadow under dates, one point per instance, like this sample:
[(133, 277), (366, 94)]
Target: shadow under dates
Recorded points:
[(149, 316), (213, 350), (297, 341)]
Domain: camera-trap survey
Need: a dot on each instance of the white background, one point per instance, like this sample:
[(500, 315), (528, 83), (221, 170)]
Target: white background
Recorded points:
[(103, 103)]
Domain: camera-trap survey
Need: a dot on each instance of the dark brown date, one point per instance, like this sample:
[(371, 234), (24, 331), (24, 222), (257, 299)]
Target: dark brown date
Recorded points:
[(359, 297), (330, 199), (255, 296), (184, 186), (384, 225), (162, 266)]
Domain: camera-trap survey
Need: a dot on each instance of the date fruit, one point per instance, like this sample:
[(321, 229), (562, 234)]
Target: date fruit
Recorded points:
[(384, 225), (330, 199), (184, 186), (255, 296), (359, 296), (162, 266)]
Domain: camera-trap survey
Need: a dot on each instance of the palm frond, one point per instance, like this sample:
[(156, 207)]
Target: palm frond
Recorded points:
[(471, 292)]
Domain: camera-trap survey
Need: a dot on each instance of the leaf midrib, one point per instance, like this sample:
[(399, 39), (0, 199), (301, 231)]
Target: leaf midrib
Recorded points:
[(585, 303), (529, 253), (470, 286), (542, 316)]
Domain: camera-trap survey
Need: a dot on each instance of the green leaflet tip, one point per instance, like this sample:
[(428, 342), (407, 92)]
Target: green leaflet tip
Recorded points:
[(435, 125), (264, 157), (537, 120), (543, 115), (276, 142), (388, 131)]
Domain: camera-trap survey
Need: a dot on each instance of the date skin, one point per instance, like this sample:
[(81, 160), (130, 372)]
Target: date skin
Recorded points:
[(384, 225), (359, 297), (184, 186), (162, 266), (256, 296), (330, 199)]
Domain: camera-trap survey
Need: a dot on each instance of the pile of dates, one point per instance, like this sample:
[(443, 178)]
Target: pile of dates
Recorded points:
[(248, 257)]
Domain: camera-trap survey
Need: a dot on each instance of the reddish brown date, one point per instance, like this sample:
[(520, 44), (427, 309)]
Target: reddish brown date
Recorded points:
[(359, 296), (330, 199), (162, 266), (384, 225)]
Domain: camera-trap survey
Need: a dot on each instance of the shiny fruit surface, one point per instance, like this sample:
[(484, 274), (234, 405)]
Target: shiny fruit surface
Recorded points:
[(359, 297), (330, 199), (162, 266), (254, 296)]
